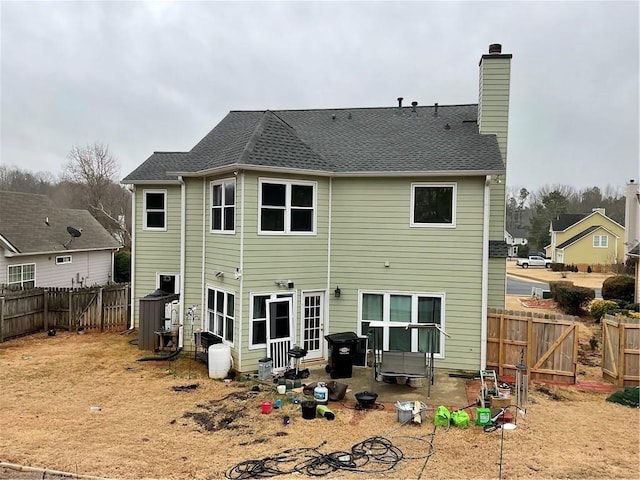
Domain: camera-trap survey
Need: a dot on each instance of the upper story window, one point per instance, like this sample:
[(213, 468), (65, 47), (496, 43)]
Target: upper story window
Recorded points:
[(23, 275), (63, 259), (155, 210), (433, 204), (601, 241), (223, 206), (287, 207)]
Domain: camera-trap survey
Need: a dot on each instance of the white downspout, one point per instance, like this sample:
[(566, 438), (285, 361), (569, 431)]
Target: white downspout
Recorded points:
[(133, 257), (205, 212), (326, 316), (485, 273), (183, 228), (240, 273)]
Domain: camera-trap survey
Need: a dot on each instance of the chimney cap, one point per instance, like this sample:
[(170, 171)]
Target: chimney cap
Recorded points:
[(495, 48)]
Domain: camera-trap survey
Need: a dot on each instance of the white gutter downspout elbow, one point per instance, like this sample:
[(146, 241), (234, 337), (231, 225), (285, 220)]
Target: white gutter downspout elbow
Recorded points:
[(485, 273), (183, 228)]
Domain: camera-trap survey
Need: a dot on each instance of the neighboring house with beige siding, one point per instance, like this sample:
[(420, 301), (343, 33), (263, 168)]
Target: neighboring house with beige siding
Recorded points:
[(46, 246), (285, 226), (586, 240)]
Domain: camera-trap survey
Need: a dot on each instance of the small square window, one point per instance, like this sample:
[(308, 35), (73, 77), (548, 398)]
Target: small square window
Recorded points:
[(433, 205)]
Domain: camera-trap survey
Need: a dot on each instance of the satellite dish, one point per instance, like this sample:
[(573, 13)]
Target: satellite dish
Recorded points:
[(74, 232)]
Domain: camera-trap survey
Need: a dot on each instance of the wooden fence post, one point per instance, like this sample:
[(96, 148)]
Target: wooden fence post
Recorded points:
[(70, 293), (100, 311), (1, 319), (45, 301), (621, 347)]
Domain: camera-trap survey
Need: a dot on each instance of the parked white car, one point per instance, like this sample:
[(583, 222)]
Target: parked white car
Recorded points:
[(534, 261)]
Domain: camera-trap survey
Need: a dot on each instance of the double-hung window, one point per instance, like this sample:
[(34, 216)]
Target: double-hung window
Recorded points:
[(396, 310), (601, 241), (155, 210), (433, 205), (223, 206), (220, 313), (287, 207), (23, 275)]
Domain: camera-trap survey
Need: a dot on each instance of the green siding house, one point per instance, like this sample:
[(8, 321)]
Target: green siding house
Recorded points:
[(286, 226)]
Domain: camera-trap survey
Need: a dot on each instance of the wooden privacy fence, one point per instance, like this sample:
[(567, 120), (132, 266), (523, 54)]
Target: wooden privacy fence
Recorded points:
[(95, 308), (546, 344), (621, 350)]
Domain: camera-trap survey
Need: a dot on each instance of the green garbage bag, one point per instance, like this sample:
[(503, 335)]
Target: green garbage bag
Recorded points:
[(442, 418), (460, 418)]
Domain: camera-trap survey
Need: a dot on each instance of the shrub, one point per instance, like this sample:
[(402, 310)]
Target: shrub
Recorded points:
[(589, 269), (557, 267), (572, 300), (553, 287), (599, 308), (122, 273), (618, 287)]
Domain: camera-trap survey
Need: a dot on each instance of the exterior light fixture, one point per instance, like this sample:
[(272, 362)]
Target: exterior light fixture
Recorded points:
[(337, 292)]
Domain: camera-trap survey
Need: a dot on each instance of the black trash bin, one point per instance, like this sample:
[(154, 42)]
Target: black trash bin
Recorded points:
[(342, 349)]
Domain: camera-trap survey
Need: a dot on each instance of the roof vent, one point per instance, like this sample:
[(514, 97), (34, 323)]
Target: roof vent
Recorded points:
[(447, 127), (333, 116), (435, 109), (413, 106), (495, 48), (400, 102), (349, 116)]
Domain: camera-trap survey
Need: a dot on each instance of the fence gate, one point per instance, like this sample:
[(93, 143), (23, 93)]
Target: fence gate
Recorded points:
[(621, 350), (85, 308), (547, 346)]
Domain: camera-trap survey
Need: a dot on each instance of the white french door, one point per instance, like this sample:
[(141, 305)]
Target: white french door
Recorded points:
[(279, 331), (312, 324)]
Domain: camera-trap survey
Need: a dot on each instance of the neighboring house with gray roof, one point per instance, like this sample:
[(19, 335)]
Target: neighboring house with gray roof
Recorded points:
[(285, 226), (586, 240), (46, 246), (515, 237)]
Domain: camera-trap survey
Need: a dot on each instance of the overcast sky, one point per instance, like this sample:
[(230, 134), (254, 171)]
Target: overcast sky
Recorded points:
[(153, 76)]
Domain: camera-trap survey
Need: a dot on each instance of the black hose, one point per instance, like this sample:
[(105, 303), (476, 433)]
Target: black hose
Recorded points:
[(160, 358)]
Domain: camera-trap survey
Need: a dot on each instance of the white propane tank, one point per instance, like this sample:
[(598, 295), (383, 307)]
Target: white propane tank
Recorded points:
[(321, 394), (219, 360)]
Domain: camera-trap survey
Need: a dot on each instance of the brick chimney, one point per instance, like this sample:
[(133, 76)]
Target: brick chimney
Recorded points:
[(493, 102)]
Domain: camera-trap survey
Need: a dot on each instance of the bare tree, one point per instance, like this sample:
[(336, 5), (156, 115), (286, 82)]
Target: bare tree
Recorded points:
[(95, 169)]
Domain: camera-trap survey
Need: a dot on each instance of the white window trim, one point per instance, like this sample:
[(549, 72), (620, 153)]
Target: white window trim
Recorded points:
[(225, 314), (414, 311), (22, 280), (145, 211), (63, 259), (454, 201), (272, 296), (169, 274), (211, 185), (287, 207), (600, 237)]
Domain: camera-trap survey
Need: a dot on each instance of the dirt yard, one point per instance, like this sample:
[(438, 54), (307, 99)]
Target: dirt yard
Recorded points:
[(83, 404)]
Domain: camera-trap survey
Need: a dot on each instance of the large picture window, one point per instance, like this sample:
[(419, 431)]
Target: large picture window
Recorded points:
[(287, 207), (220, 312), (23, 275), (399, 309), (155, 210), (433, 205), (223, 206)]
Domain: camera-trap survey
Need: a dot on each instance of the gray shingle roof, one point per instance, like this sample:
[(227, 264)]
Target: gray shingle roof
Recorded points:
[(358, 141), (565, 220), (577, 237), (23, 225)]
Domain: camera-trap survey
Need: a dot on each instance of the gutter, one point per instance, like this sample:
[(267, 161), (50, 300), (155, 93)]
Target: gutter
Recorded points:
[(485, 273), (240, 271), (327, 302)]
